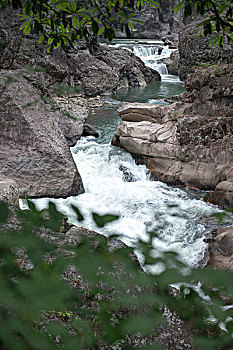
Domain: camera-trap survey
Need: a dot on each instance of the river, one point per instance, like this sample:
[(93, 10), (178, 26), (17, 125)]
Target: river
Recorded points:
[(115, 184)]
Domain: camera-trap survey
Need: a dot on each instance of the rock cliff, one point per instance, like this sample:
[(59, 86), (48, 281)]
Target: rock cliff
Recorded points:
[(33, 152), (158, 22), (189, 142), (92, 67), (195, 51)]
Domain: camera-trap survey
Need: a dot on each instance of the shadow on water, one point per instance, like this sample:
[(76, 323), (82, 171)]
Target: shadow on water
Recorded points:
[(154, 92)]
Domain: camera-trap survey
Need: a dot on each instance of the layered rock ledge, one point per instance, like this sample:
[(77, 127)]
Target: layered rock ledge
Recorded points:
[(189, 142)]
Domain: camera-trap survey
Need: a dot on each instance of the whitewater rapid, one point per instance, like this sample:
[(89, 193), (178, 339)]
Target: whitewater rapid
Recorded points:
[(114, 184), (141, 204)]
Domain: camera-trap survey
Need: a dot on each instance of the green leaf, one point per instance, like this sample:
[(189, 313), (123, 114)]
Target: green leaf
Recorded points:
[(127, 31), (230, 37), (104, 219), (79, 215), (101, 30), (76, 22), (73, 6), (27, 9), (178, 6), (50, 40), (95, 26), (41, 38), (28, 28), (23, 25), (49, 49), (57, 45), (130, 25), (187, 10)]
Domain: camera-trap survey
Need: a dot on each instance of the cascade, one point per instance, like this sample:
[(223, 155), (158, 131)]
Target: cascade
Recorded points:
[(145, 51), (115, 184), (151, 53)]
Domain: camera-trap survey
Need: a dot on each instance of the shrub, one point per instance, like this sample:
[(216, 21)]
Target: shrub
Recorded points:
[(112, 298)]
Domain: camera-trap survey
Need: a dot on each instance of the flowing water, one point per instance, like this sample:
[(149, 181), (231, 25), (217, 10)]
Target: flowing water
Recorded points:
[(115, 184), (151, 52)]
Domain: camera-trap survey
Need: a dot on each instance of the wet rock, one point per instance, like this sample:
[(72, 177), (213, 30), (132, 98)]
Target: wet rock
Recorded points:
[(40, 165), (221, 249), (189, 142), (172, 99), (223, 194), (89, 130), (172, 63), (127, 175)]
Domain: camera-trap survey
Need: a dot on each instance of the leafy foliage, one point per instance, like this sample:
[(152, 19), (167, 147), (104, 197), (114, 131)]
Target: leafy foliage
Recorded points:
[(114, 298), (218, 17), (62, 22)]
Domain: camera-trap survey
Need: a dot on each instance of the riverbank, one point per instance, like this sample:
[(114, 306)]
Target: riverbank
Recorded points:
[(189, 142)]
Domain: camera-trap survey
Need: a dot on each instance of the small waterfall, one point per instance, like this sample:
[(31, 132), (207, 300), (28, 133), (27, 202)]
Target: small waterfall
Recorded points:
[(161, 68), (152, 53), (145, 51), (152, 56)]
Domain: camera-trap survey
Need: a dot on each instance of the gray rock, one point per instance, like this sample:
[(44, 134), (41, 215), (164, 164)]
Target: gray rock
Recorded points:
[(221, 249), (127, 175), (89, 130), (110, 69), (157, 23), (33, 149), (94, 68), (189, 142), (195, 50), (172, 63), (9, 193)]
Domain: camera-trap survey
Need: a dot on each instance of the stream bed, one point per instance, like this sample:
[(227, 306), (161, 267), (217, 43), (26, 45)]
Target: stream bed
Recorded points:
[(115, 184)]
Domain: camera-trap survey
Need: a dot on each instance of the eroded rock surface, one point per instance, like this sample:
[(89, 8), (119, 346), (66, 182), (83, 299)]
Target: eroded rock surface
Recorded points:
[(221, 249), (158, 22), (92, 67), (195, 51), (189, 142), (33, 150)]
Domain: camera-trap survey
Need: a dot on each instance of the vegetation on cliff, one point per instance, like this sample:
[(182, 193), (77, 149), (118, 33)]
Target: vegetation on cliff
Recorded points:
[(62, 23), (217, 17)]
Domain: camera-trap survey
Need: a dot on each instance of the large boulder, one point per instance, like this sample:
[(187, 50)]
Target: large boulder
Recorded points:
[(92, 67), (189, 142), (195, 51), (221, 248), (33, 150), (109, 69), (172, 63)]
